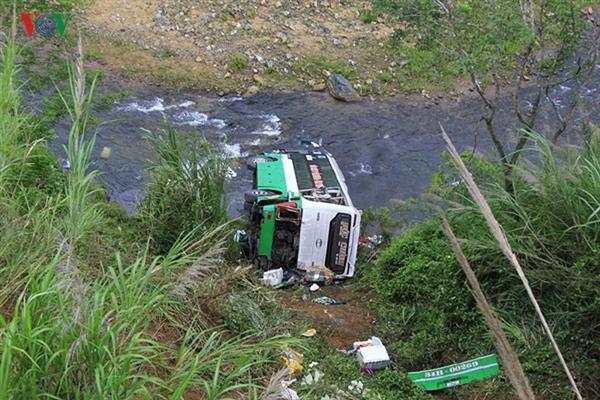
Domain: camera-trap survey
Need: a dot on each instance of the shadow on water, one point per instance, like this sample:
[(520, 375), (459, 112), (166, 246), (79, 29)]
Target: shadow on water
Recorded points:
[(388, 148)]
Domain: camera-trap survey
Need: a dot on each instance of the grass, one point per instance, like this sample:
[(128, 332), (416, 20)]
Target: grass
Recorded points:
[(187, 190), (237, 62), (435, 53), (551, 223), (88, 308)]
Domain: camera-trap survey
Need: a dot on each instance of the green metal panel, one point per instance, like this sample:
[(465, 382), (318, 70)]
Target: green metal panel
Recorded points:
[(456, 374), (267, 232), (270, 175)]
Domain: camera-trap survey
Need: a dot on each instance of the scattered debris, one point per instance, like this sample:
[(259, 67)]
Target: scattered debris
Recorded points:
[(279, 387), (272, 277), (319, 274), (371, 354), (357, 387), (368, 372), (312, 377), (370, 242), (293, 361), (310, 333), (328, 301), (289, 279), (456, 374), (105, 154), (314, 287)]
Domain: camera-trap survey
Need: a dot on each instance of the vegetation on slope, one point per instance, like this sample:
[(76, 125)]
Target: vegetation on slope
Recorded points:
[(88, 310), (552, 223)]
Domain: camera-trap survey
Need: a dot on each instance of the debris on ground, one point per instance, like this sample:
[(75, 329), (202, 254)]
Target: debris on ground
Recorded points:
[(370, 242), (293, 361), (279, 387), (314, 287), (328, 301), (357, 387), (105, 154), (338, 326), (310, 333), (371, 354), (479, 368), (272, 277), (311, 378), (290, 278), (319, 274)]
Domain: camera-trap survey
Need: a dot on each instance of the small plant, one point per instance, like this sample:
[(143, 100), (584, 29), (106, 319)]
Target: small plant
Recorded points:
[(385, 77), (368, 17), (237, 61)]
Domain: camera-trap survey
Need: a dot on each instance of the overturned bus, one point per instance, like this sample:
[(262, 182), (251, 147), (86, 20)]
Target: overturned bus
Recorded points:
[(300, 213)]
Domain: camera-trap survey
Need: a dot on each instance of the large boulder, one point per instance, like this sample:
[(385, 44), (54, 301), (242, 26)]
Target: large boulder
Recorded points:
[(340, 88)]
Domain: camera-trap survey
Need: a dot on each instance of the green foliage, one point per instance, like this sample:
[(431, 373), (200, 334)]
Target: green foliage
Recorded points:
[(237, 62), (385, 77), (433, 311), (338, 370), (186, 190), (315, 67), (256, 312), (80, 320), (368, 16), (552, 223), (432, 44)]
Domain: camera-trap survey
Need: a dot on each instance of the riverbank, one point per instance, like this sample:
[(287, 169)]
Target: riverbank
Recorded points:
[(234, 47)]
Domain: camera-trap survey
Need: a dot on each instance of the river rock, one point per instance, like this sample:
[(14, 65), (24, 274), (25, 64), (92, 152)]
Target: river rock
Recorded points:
[(340, 88), (251, 91), (318, 87)]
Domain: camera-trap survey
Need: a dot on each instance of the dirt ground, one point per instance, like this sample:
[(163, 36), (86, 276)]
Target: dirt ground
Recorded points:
[(339, 325), (286, 44)]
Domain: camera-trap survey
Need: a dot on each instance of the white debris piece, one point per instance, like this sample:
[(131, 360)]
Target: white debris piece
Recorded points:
[(272, 277)]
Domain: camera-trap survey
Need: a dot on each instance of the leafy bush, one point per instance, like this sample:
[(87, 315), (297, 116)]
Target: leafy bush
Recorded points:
[(186, 189), (432, 47), (552, 223)]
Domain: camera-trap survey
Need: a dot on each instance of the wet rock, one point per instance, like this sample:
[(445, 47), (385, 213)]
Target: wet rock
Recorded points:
[(340, 88)]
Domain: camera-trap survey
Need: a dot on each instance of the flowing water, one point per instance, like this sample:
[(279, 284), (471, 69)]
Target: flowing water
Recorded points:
[(388, 148)]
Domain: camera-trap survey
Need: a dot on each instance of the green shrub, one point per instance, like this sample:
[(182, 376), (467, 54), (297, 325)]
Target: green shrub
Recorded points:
[(551, 220), (237, 61), (186, 189), (486, 31)]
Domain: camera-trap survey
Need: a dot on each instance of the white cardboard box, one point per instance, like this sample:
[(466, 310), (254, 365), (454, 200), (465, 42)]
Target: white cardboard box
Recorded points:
[(373, 356)]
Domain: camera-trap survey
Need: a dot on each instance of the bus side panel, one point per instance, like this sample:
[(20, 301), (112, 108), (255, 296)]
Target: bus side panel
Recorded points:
[(267, 231)]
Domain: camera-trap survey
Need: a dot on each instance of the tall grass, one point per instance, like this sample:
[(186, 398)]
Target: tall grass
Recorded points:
[(187, 188), (12, 150), (551, 224), (69, 334), (82, 214)]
